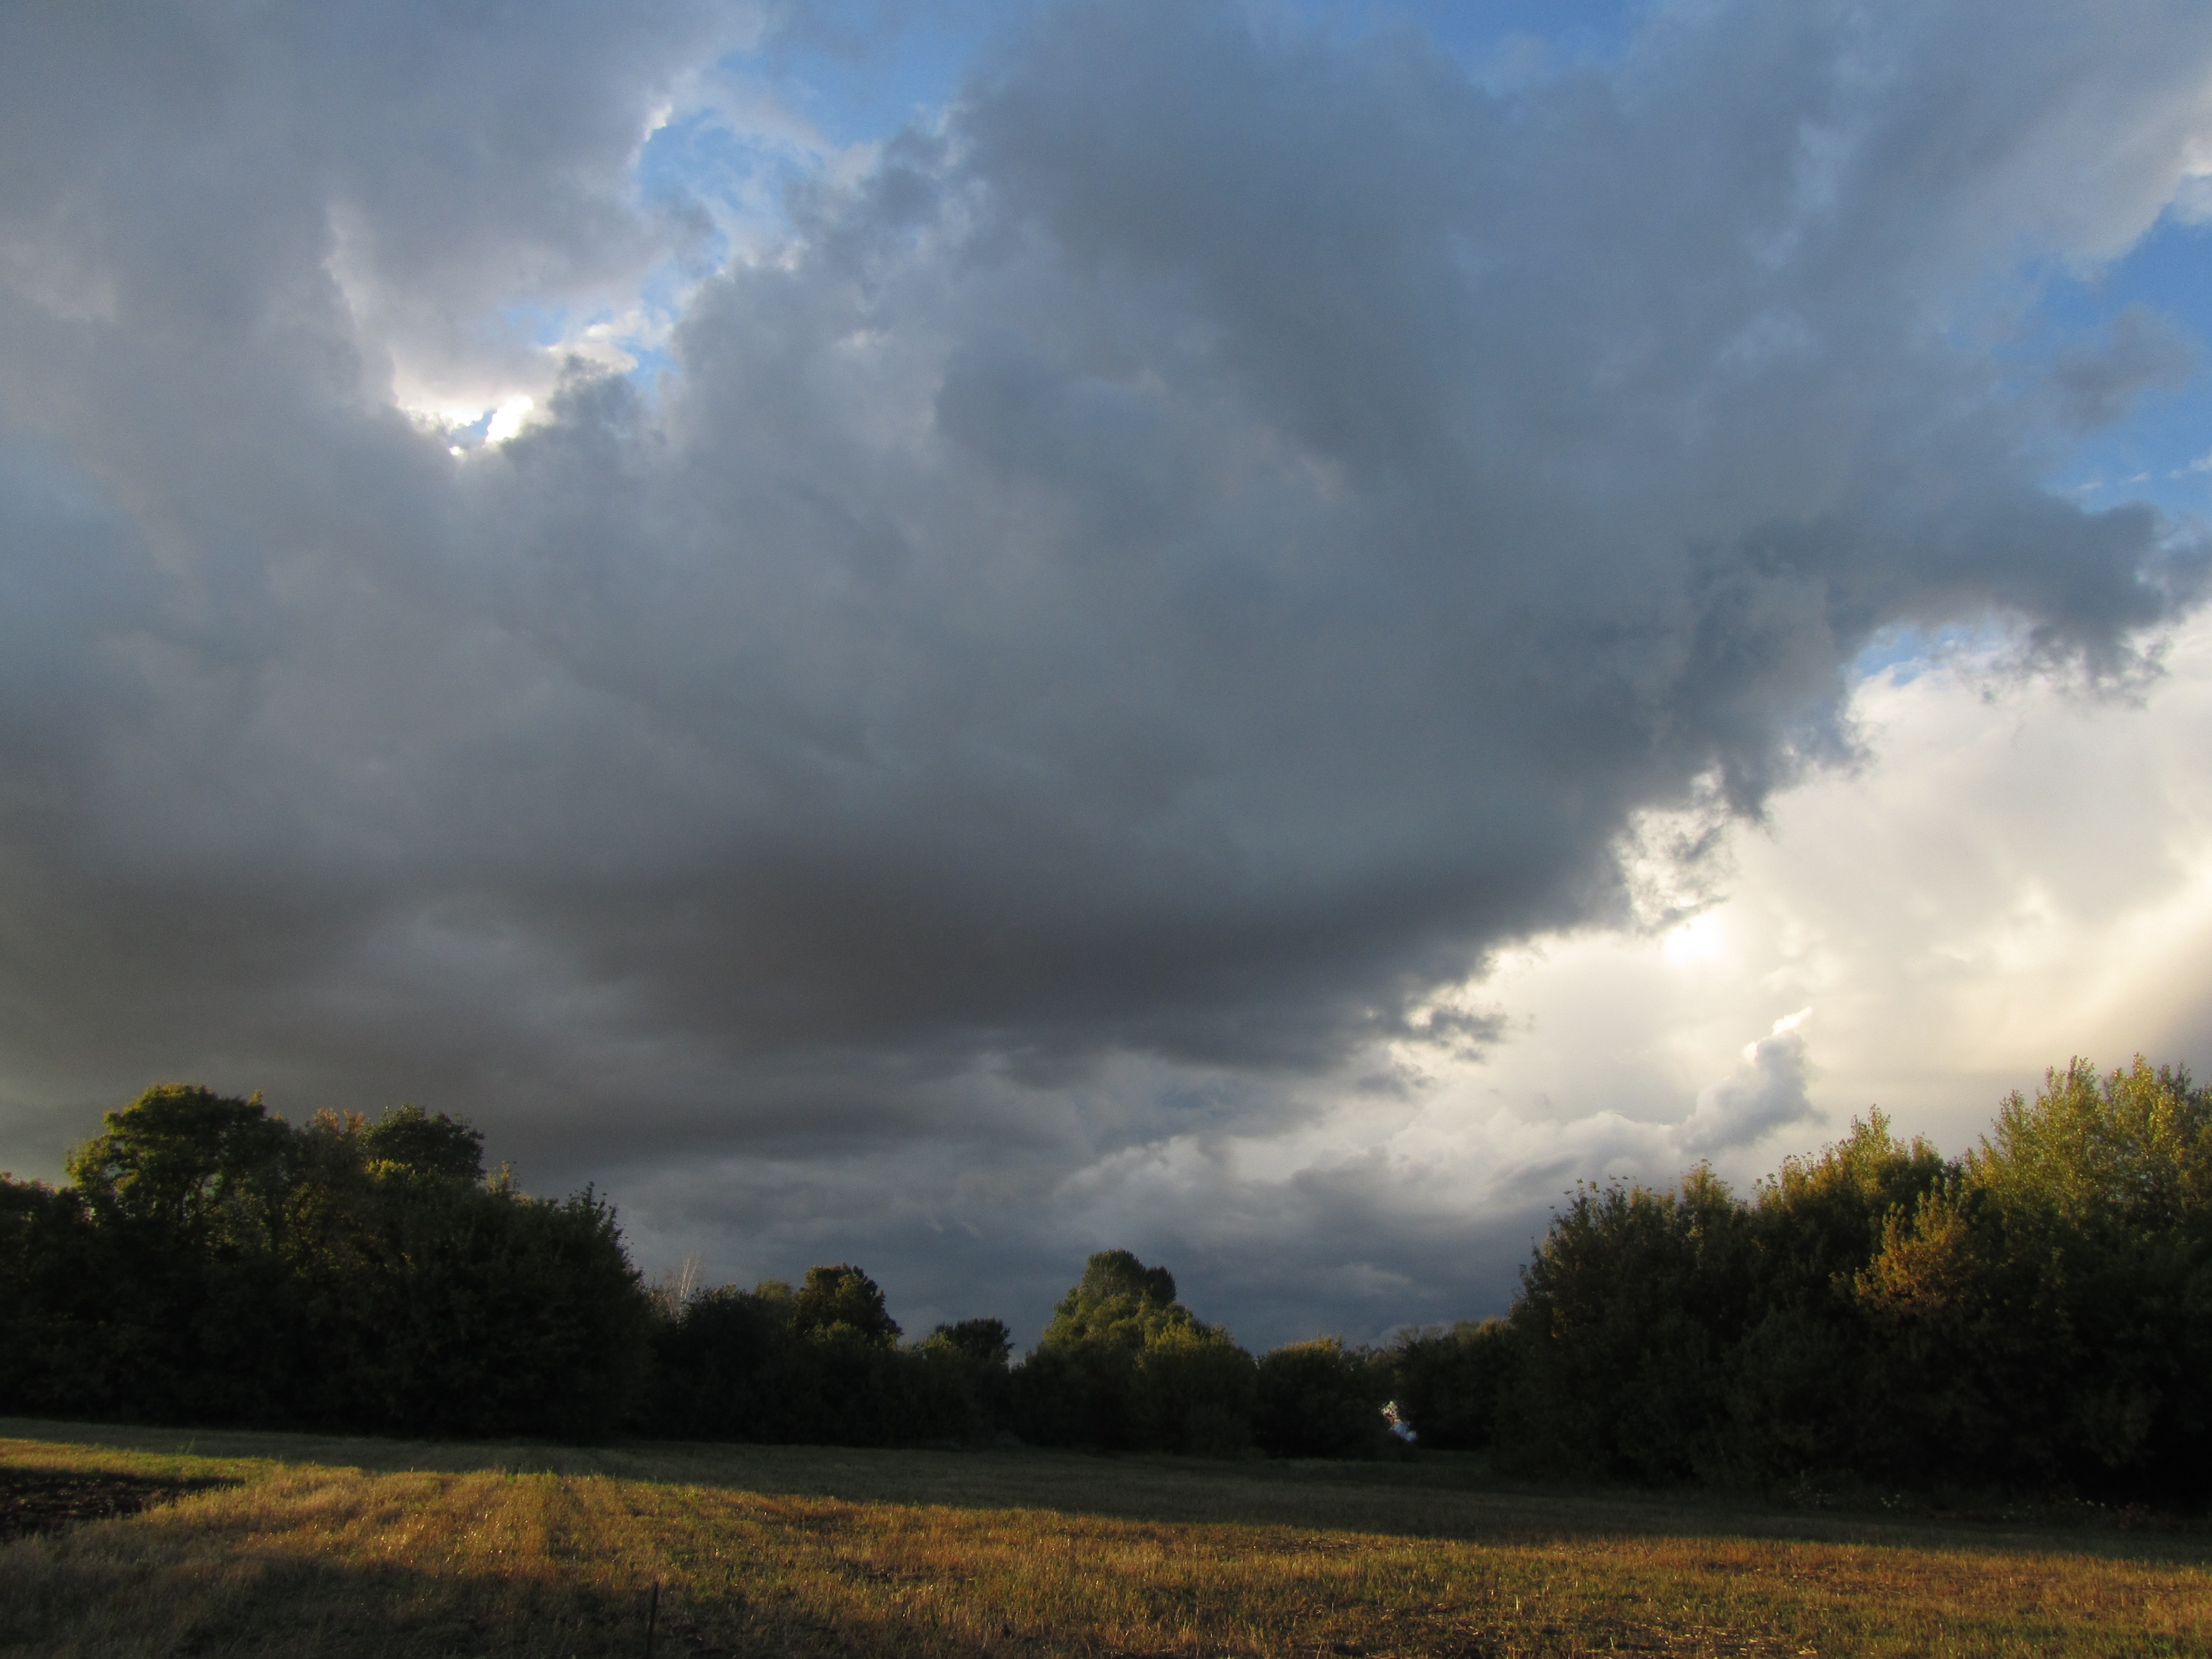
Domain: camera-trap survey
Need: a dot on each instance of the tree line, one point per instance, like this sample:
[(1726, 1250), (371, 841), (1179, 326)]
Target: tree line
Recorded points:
[(2035, 1314)]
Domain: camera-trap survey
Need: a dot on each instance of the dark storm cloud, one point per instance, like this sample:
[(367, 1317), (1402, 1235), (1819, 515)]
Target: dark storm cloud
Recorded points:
[(1179, 560)]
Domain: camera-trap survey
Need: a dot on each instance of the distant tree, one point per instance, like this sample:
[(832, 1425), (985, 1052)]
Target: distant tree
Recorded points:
[(1122, 1365), (421, 1144), (820, 1365), (985, 1341), (188, 1165), (971, 1379), (2036, 1315), (842, 1297), (461, 1310), (1802, 1372), (55, 1306), (711, 1376), (188, 1193), (1112, 1280)]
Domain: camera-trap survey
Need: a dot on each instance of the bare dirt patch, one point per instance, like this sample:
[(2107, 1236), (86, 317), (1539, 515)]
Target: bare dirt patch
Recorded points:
[(47, 1500)]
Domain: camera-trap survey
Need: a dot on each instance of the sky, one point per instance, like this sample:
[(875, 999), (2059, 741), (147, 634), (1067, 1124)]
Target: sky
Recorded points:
[(944, 635)]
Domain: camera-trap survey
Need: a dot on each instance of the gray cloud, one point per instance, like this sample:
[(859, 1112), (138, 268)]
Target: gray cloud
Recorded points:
[(1173, 565), (1766, 1091), (2145, 350)]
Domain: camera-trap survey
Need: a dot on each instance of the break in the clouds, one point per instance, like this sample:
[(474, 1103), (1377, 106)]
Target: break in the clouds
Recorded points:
[(1003, 693)]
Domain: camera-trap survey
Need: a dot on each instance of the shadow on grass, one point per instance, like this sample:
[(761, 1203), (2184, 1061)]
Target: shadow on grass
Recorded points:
[(89, 1597), (1436, 1498)]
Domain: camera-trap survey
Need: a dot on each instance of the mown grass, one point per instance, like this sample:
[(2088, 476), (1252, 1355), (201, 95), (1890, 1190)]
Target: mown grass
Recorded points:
[(346, 1547)]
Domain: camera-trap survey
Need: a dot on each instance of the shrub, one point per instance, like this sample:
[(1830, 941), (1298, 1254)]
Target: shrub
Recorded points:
[(1446, 1383), (1319, 1399), (820, 1365)]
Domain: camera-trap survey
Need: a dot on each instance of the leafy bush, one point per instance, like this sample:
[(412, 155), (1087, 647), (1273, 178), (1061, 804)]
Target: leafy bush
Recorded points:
[(1321, 1399), (459, 1310), (1446, 1383), (821, 1365)]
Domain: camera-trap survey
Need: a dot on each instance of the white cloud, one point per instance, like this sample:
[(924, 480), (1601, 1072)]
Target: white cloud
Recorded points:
[(1766, 1092), (506, 420)]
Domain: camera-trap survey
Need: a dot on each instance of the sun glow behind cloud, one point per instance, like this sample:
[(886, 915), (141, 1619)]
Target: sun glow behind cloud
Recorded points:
[(2017, 872)]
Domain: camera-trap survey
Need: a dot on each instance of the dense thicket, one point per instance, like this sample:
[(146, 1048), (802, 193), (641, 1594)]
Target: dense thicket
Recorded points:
[(2037, 1314), (210, 1263), (820, 1365)]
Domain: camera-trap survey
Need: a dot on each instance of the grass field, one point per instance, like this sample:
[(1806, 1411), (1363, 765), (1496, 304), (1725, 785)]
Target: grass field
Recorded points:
[(313, 1546)]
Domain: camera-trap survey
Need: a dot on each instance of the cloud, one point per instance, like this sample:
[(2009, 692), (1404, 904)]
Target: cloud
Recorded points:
[(2145, 350), (1764, 1093), (1148, 588)]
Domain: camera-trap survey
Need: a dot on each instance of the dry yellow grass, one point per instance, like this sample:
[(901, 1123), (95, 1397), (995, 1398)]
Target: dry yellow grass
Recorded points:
[(345, 1547)]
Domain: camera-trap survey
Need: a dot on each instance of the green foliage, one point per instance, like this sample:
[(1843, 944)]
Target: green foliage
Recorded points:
[(212, 1264), (1622, 1330), (1446, 1383), (2049, 1313), (839, 1301), (190, 1167), (1660, 1336), (1804, 1368), (1191, 1392), (970, 1367), (1321, 1399), (411, 1139), (1124, 1366), (456, 1309), (983, 1342), (2035, 1315), (1115, 1279), (821, 1366), (50, 1296)]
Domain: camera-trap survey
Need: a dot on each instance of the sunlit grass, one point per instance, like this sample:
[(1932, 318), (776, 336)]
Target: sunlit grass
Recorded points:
[(332, 1547)]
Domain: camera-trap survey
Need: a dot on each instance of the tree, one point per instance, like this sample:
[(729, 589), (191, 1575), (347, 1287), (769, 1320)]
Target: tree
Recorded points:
[(1803, 1374), (1122, 1365), (412, 1139), (1622, 1334), (343, 1274), (843, 1297), (2047, 1319), (189, 1166), (820, 1365), (985, 1342)]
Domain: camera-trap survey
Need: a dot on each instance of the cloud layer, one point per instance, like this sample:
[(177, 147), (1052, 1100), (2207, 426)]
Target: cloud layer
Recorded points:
[(1144, 590)]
